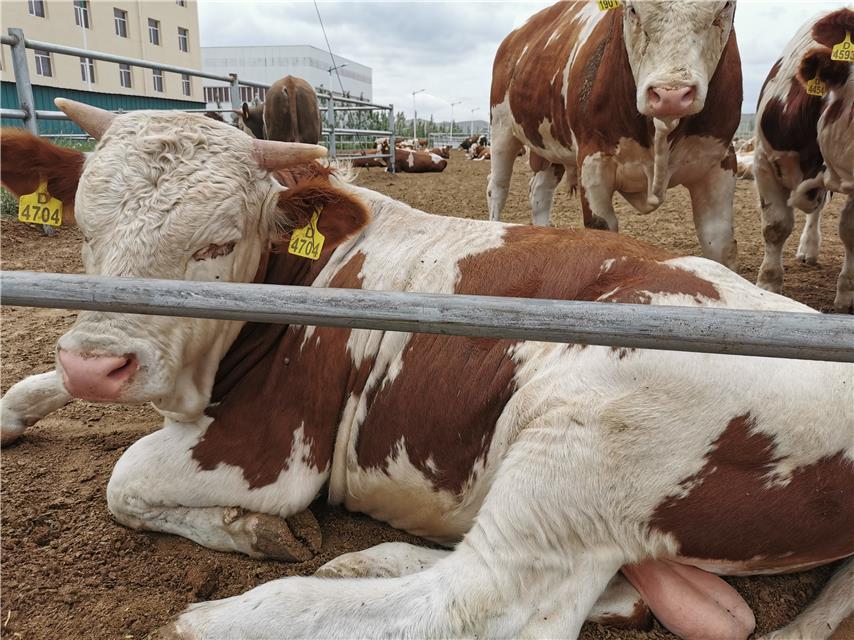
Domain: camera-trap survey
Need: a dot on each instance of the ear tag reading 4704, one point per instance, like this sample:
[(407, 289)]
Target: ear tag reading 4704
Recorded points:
[(816, 87), (40, 207), (307, 241), (844, 51), (608, 5)]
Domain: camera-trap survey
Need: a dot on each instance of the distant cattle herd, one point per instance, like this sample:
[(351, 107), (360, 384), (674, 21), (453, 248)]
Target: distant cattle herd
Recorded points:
[(565, 482)]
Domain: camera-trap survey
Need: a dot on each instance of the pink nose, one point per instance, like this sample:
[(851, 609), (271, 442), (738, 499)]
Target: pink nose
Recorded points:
[(670, 101), (94, 377)]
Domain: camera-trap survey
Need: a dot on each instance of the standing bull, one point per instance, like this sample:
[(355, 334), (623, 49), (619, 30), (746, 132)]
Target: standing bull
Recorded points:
[(637, 99), (288, 114)]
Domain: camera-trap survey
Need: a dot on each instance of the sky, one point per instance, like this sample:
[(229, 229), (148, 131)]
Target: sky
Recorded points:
[(447, 48)]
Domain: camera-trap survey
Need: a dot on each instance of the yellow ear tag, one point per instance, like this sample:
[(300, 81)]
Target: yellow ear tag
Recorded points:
[(40, 207), (844, 51), (816, 87), (307, 241), (608, 5)]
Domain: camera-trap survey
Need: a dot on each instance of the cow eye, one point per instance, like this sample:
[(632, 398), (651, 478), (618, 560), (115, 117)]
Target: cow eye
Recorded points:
[(213, 251)]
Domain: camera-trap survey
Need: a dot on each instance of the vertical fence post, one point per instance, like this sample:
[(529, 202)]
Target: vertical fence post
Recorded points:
[(26, 101), (234, 91), (390, 167), (330, 118)]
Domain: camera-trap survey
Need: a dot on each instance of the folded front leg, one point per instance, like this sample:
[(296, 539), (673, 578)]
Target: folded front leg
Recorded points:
[(29, 401)]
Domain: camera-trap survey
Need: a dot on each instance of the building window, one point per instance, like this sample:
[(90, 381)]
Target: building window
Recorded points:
[(125, 76), (183, 39), (158, 80), (120, 17), (87, 69), (36, 8), (154, 31), (81, 13), (186, 85), (43, 67)]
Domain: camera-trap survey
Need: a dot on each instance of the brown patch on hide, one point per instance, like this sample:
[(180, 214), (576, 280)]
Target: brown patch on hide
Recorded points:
[(640, 619), (291, 113), (26, 159), (831, 29), (733, 511), (730, 162), (792, 125)]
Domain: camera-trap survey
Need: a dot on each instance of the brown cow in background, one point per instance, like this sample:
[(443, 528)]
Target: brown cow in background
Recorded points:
[(289, 114)]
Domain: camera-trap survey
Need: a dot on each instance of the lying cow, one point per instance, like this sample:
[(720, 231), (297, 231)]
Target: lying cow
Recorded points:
[(797, 134), (442, 152), (572, 478), (288, 114), (410, 161), (367, 162), (637, 99), (479, 152), (466, 144)]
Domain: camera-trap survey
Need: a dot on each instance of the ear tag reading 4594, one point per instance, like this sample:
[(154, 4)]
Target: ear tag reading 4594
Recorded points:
[(816, 87), (608, 5), (40, 207), (307, 241), (844, 51)]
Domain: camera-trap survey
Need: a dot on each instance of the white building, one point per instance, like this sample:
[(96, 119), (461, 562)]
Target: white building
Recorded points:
[(268, 64)]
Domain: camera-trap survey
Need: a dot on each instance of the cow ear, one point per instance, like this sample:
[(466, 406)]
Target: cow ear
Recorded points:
[(245, 111), (341, 214), (26, 159), (817, 64), (831, 29)]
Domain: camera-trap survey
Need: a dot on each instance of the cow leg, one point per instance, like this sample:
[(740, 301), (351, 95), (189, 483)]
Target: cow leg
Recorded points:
[(157, 486), (533, 564), (778, 219), (505, 147), (387, 560), (820, 619), (597, 174), (541, 193), (711, 201), (810, 241), (845, 284), (27, 402)]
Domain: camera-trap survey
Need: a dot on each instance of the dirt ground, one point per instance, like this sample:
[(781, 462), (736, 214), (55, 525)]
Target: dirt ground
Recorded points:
[(69, 571)]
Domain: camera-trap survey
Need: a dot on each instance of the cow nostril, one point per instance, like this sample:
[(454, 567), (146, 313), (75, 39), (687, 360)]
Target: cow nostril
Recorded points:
[(653, 96), (126, 369)]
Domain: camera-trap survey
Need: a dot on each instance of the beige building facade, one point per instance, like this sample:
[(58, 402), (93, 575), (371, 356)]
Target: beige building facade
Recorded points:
[(164, 31)]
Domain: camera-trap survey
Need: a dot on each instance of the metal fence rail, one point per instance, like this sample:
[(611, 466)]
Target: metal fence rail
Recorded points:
[(775, 334), (331, 104)]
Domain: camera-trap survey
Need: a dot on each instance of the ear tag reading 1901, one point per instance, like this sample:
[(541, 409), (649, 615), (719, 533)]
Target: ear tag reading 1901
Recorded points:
[(816, 87), (608, 5), (844, 51), (40, 207), (307, 241)]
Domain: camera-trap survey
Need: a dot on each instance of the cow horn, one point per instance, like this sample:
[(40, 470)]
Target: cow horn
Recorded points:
[(92, 120), (272, 154)]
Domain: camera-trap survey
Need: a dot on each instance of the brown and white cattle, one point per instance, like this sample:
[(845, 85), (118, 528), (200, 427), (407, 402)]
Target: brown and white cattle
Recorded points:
[(442, 152), (804, 149), (288, 114), (636, 100), (570, 478), (411, 161)]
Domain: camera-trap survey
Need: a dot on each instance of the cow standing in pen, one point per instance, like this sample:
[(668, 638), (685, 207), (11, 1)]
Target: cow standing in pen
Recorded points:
[(289, 113), (576, 481), (636, 100), (804, 149)]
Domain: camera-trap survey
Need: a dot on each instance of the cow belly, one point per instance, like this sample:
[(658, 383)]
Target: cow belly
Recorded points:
[(760, 565)]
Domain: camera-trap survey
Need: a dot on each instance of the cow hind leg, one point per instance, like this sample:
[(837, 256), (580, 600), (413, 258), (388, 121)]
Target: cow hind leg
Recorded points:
[(28, 401), (821, 618), (845, 284), (711, 201), (778, 219), (386, 560), (505, 148), (541, 193), (157, 486)]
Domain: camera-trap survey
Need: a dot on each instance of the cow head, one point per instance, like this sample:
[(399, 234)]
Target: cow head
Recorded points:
[(673, 50), (175, 196), (250, 119)]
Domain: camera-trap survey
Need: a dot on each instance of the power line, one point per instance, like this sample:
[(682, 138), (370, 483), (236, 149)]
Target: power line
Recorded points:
[(328, 48)]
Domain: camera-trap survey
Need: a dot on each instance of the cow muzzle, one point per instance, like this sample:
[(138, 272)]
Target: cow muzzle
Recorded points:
[(670, 102), (96, 377)]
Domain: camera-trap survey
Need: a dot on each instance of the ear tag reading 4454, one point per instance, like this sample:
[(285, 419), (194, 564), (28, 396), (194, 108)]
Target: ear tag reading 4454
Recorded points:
[(816, 87), (40, 207), (844, 51), (608, 5), (307, 241)]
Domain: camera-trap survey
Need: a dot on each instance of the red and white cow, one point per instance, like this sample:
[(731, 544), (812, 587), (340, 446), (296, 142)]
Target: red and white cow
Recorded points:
[(411, 161), (805, 149), (636, 99), (571, 477)]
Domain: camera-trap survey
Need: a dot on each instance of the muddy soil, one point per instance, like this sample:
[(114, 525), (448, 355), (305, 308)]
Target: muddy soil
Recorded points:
[(69, 571)]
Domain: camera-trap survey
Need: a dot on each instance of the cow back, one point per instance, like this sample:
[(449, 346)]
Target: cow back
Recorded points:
[(291, 113)]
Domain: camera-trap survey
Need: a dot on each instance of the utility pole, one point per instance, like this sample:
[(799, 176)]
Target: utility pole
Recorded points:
[(330, 70), (415, 114), (451, 132), (471, 122)]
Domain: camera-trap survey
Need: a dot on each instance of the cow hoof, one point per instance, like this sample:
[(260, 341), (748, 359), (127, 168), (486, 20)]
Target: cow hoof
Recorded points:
[(296, 539), (596, 222), (844, 302), (806, 259), (12, 427), (772, 285)]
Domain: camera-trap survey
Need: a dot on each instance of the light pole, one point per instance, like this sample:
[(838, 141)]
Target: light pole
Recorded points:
[(415, 114), (451, 132), (330, 70), (471, 122)]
